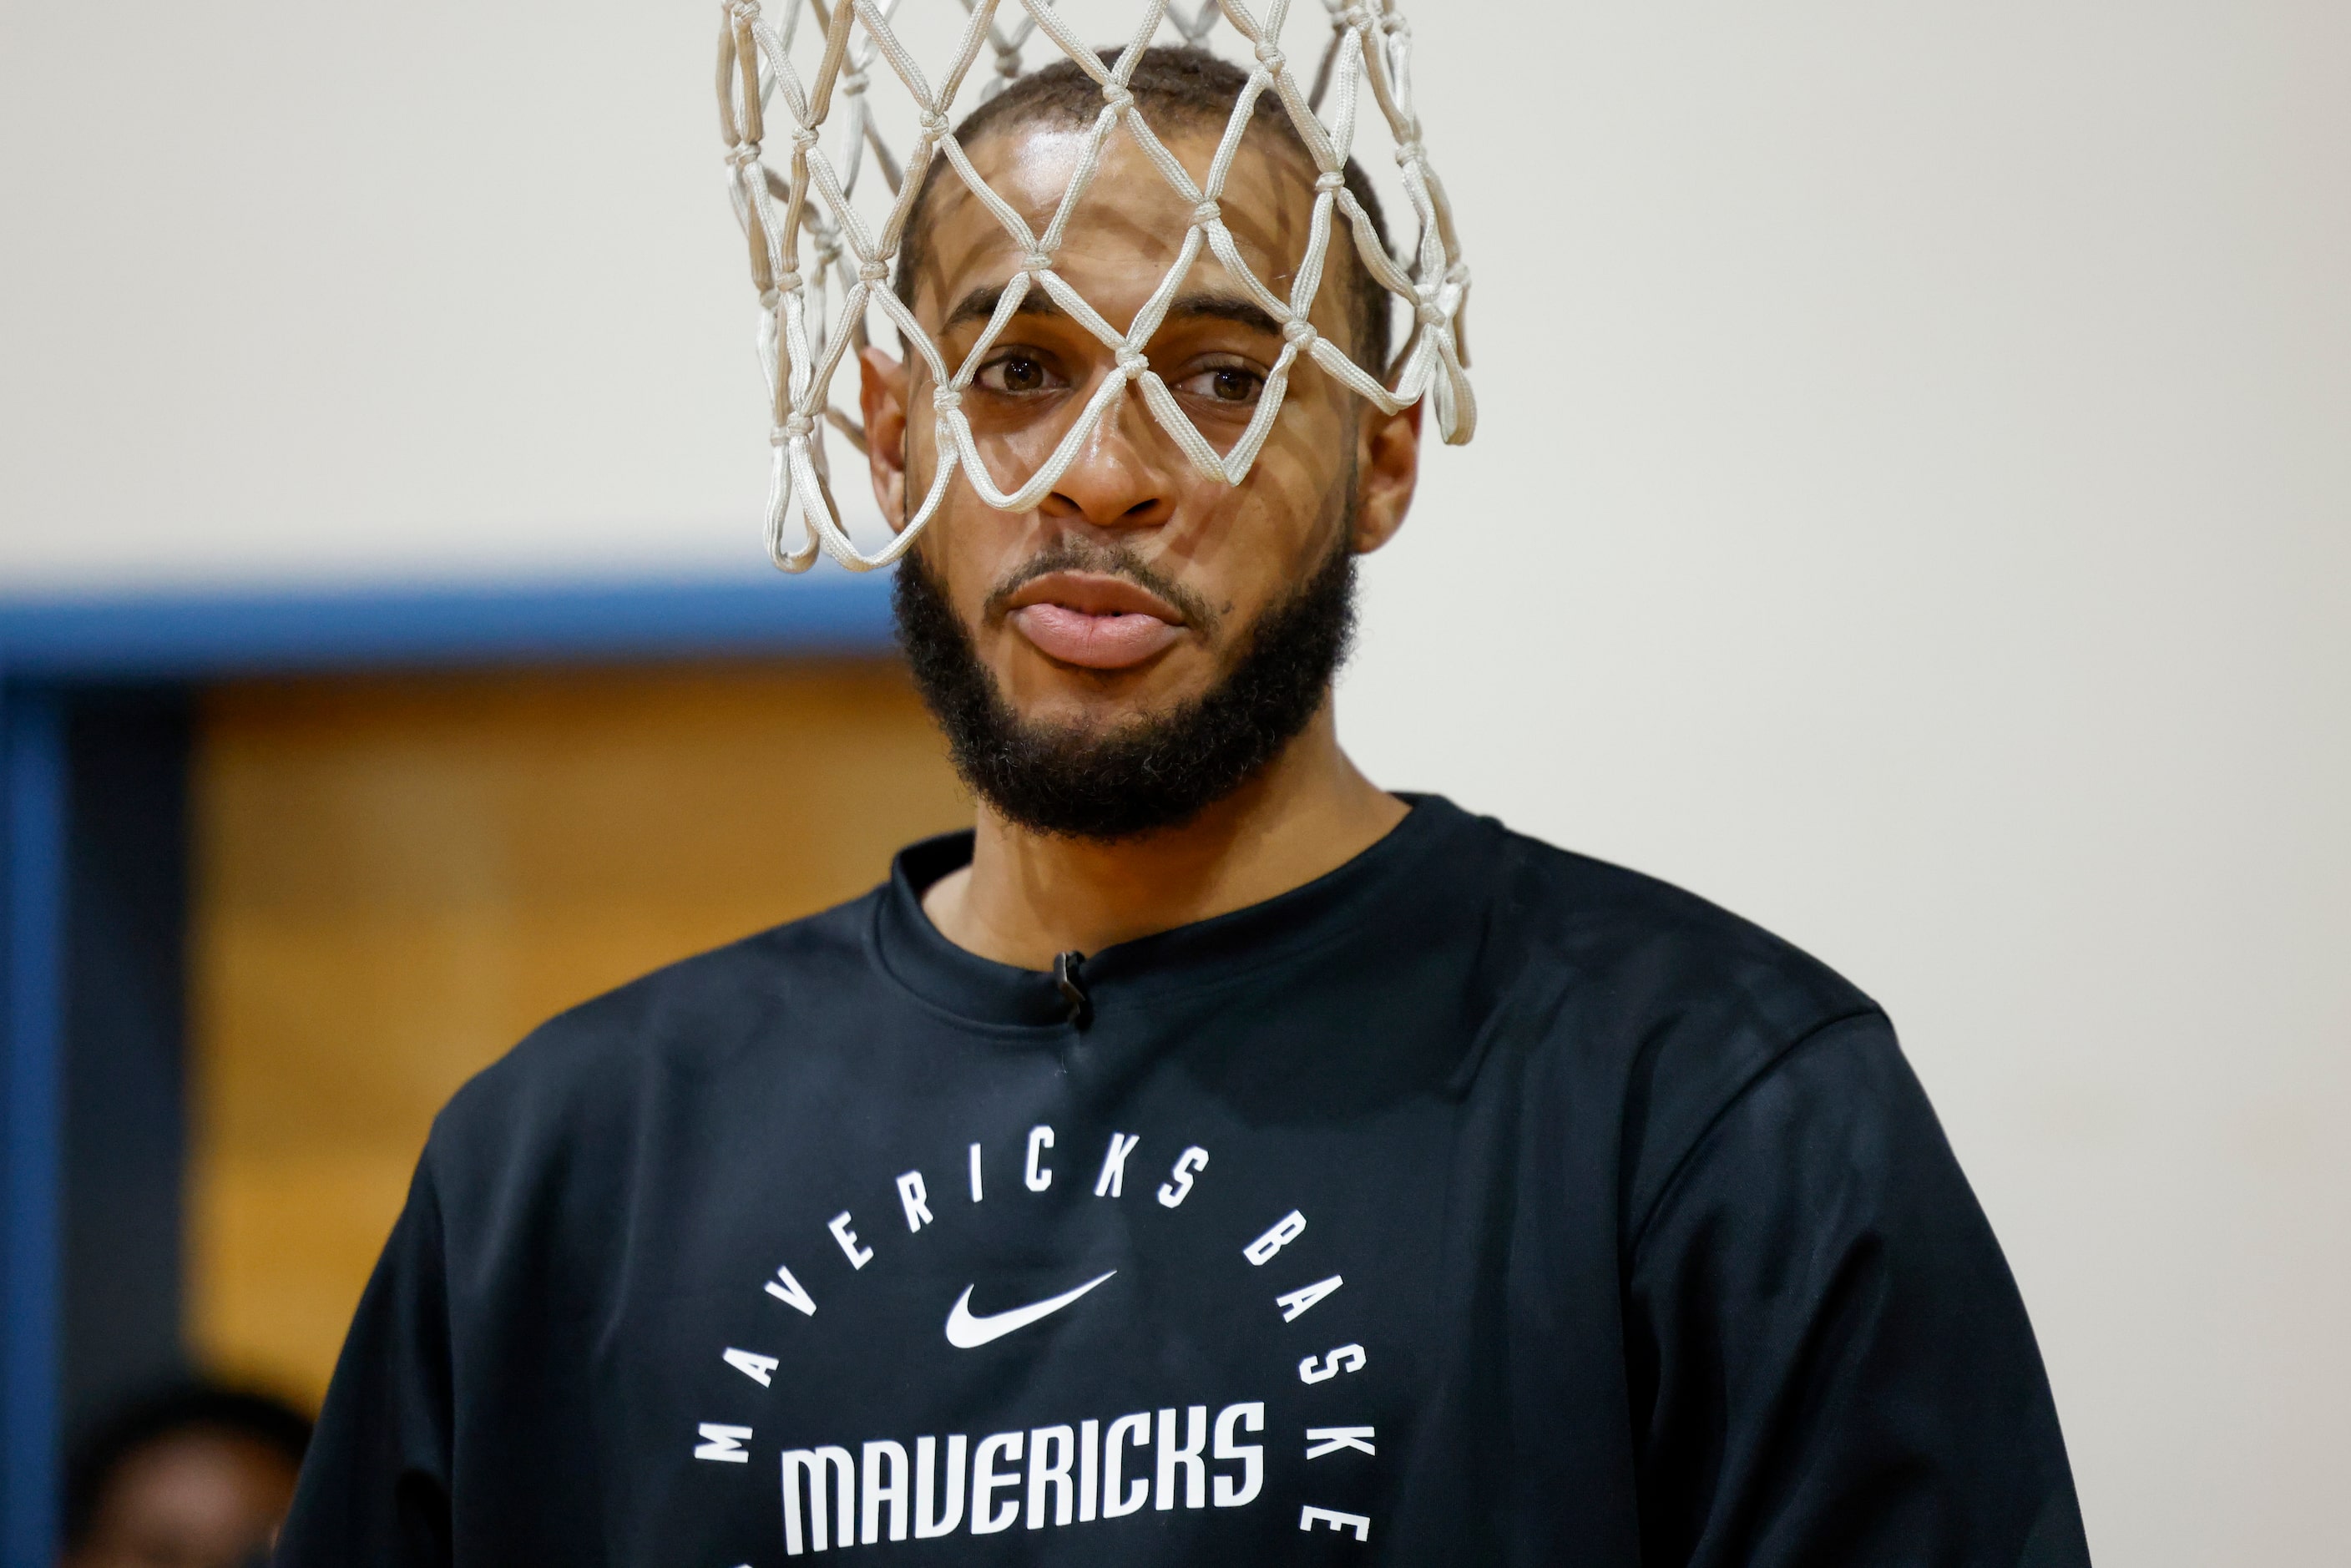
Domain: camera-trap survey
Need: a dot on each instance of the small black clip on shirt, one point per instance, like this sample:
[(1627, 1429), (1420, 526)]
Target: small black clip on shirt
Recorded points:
[(1073, 988)]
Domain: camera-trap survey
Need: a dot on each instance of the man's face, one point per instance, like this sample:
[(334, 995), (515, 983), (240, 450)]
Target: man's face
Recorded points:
[(1135, 586)]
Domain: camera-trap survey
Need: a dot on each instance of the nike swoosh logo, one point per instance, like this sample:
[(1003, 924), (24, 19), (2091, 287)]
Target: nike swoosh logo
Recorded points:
[(965, 1332)]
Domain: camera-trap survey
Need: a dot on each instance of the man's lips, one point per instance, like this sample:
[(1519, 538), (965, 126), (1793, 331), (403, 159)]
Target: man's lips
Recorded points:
[(1094, 620), (1096, 642)]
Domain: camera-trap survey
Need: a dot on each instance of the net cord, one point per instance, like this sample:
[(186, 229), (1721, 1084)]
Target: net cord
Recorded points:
[(810, 317)]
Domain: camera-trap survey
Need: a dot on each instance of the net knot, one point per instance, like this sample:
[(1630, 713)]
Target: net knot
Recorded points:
[(804, 139), (1206, 212), (1117, 98), (1035, 261), (1007, 61), (789, 282), (1270, 56), (946, 398), (1296, 331), (744, 10), (1352, 17), (873, 271), (1330, 180), (1429, 314), (742, 155), (796, 427), (772, 300), (852, 82), (1409, 154), (934, 124), (1132, 363)]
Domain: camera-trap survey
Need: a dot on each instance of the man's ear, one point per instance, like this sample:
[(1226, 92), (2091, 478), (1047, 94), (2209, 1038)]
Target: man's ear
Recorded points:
[(1388, 469), (882, 400)]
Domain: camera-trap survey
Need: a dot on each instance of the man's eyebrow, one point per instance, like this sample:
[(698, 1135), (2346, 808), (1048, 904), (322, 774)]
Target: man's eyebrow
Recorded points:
[(981, 303), (1217, 304), (1214, 304)]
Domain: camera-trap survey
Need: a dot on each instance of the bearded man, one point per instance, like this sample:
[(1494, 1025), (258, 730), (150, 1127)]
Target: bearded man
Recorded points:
[(1212, 1156)]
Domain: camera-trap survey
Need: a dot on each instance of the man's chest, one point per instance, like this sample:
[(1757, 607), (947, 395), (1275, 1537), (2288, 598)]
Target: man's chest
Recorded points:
[(1035, 1317)]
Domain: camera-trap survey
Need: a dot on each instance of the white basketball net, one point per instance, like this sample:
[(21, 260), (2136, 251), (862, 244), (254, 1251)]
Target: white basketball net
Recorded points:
[(801, 246)]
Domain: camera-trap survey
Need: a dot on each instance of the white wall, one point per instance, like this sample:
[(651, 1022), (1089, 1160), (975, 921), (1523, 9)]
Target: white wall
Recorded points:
[(320, 291), (1914, 508)]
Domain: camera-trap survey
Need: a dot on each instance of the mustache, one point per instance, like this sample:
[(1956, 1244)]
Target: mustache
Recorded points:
[(1069, 554)]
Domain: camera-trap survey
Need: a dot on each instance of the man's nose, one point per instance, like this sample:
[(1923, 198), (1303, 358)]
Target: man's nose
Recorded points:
[(1119, 479)]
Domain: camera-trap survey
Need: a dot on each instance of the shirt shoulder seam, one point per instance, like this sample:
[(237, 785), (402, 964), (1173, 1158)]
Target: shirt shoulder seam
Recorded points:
[(1638, 1232)]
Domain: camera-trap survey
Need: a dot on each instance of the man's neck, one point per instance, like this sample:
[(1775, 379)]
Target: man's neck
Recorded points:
[(1027, 896)]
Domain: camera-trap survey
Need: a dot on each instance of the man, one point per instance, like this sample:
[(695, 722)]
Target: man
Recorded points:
[(1212, 1156), (192, 1477)]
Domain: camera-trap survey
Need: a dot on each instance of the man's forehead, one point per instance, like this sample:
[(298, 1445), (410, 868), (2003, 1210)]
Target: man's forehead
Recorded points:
[(1129, 220)]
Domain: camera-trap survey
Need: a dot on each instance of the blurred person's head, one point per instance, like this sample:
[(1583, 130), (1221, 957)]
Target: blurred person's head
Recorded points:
[(197, 1476)]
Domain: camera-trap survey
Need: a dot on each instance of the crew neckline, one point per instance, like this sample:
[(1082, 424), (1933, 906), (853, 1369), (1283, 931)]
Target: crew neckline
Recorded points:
[(911, 951)]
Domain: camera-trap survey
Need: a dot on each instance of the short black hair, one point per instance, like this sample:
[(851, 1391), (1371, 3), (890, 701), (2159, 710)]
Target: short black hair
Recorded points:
[(171, 1412), (1184, 87)]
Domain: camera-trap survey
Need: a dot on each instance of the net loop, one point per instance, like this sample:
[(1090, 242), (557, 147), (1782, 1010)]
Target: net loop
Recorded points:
[(1197, 25)]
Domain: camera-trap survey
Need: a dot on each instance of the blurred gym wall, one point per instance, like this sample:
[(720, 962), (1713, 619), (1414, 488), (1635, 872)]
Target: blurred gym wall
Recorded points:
[(1913, 508), (397, 878)]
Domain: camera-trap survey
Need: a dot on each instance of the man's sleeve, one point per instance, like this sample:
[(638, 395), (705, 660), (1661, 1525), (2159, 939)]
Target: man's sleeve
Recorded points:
[(374, 1491), (1830, 1363)]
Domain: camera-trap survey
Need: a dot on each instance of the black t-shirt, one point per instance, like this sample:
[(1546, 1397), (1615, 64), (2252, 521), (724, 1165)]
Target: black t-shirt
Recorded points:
[(1476, 1203)]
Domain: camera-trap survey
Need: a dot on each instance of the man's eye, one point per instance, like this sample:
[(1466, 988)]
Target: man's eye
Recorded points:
[(1015, 373), (1223, 383)]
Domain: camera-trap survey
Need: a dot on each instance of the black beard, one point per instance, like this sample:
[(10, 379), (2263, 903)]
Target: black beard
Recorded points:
[(1143, 774)]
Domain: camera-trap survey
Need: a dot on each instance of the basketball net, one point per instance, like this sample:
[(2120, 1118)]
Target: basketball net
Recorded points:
[(807, 240)]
